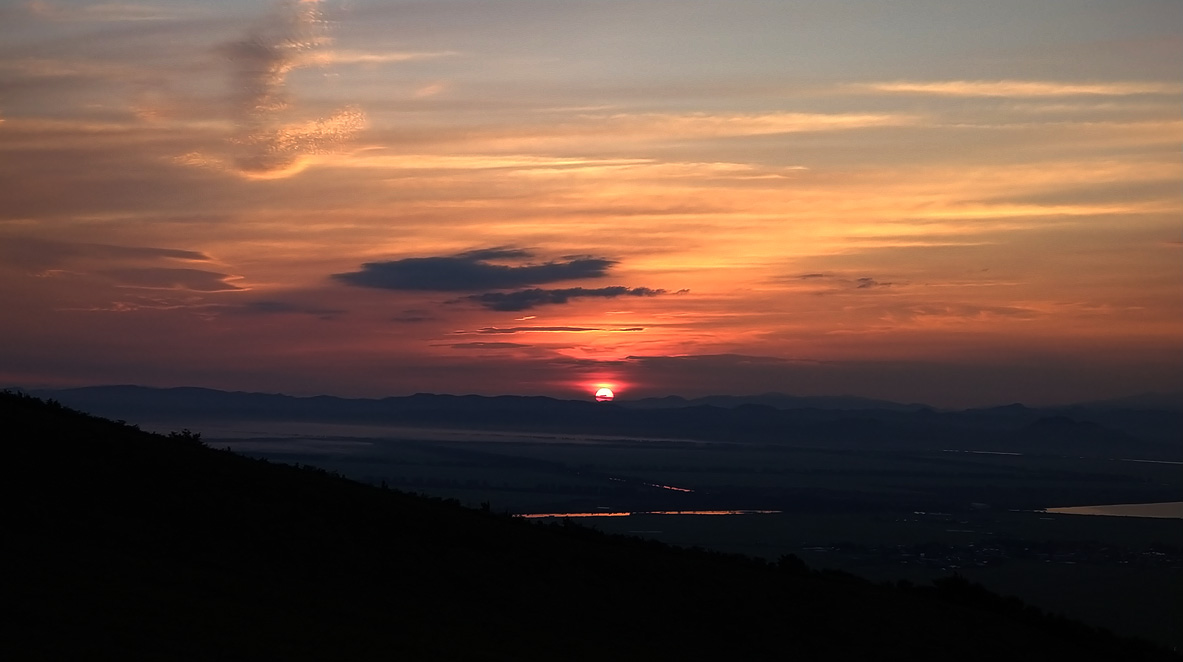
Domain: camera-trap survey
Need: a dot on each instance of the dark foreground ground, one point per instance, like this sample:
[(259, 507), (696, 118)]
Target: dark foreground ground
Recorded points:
[(138, 546)]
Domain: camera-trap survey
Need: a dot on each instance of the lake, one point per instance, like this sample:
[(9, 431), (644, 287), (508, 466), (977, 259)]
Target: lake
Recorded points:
[(647, 512), (1169, 509)]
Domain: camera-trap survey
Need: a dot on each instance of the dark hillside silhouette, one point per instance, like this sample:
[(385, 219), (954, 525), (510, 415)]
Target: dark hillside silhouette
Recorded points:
[(131, 545)]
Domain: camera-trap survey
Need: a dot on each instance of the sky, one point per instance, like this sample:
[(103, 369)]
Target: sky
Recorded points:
[(943, 201)]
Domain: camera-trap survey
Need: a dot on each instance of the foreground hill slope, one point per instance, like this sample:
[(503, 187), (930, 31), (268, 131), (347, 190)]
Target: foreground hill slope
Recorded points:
[(143, 546)]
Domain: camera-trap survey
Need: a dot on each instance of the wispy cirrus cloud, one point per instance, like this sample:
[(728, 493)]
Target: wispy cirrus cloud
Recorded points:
[(330, 57), (719, 360), (1021, 88), (380, 159), (706, 125), (164, 278), (1003, 210), (103, 11), (641, 127), (269, 143), (956, 313), (44, 67), (36, 254)]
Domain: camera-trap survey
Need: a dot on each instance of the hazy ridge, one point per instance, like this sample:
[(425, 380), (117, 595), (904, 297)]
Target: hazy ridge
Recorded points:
[(1111, 429)]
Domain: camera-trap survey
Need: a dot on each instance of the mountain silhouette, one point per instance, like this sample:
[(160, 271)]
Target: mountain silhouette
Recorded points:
[(1105, 432)]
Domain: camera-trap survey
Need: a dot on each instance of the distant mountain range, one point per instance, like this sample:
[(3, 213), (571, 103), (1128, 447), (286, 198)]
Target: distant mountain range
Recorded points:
[(1120, 428), (1162, 401), (1168, 401)]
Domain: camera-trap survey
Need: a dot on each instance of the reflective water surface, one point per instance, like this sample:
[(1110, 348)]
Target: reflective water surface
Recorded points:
[(1168, 509), (649, 512)]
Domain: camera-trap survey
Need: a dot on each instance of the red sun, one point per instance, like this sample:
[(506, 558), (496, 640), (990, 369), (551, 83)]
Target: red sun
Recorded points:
[(604, 394)]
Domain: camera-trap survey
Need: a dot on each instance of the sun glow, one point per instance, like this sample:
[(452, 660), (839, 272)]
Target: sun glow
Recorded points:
[(604, 394)]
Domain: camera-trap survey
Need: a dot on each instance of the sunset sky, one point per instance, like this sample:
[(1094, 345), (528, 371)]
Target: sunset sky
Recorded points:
[(954, 202)]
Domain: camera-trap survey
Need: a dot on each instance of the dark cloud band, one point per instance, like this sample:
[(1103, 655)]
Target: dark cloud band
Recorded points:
[(494, 330), (471, 271), (527, 299)]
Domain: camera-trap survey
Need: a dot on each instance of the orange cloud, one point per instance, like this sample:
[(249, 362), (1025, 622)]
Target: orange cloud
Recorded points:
[(1022, 88)]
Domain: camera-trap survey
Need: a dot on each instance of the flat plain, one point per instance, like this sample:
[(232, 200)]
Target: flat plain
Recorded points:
[(887, 514)]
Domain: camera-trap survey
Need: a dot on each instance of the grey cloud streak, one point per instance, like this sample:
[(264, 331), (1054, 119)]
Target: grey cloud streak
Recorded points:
[(527, 299), (493, 330), (38, 254), (162, 278), (273, 307), (488, 345), (842, 282)]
